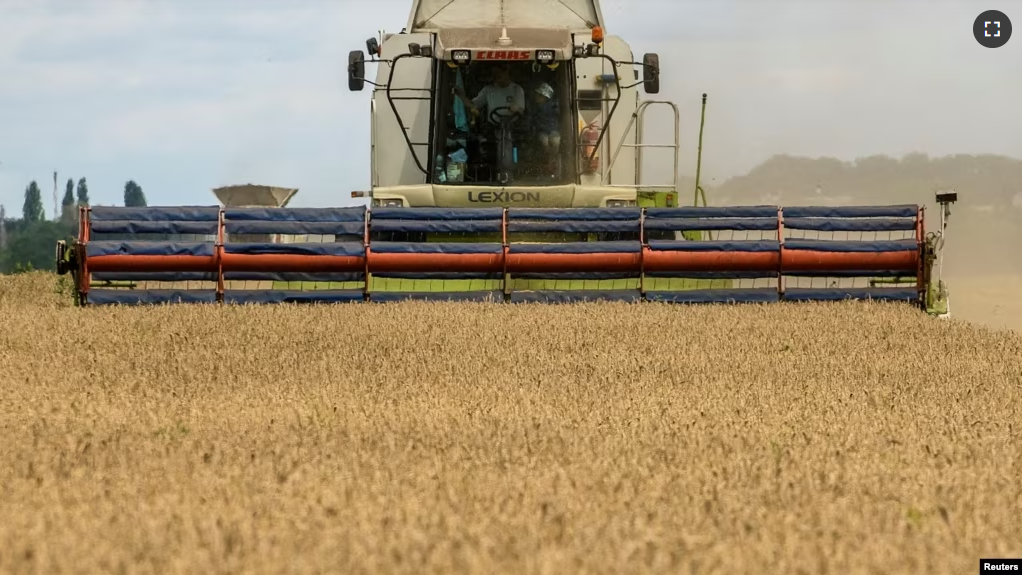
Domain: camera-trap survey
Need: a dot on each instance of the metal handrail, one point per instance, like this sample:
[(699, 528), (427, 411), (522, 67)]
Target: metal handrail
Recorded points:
[(637, 120)]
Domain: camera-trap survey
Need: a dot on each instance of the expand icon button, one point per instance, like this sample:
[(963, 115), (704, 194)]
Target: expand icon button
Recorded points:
[(992, 29)]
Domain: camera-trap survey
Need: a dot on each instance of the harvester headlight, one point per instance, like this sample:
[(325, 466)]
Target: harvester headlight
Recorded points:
[(545, 56), (621, 203), (460, 56), (388, 203)]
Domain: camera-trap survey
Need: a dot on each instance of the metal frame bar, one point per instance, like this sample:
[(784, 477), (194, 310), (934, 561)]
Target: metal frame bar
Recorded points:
[(637, 120), (397, 116), (921, 286)]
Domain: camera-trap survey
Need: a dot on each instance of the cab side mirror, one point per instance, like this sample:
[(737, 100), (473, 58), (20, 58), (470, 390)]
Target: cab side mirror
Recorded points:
[(356, 70), (651, 74)]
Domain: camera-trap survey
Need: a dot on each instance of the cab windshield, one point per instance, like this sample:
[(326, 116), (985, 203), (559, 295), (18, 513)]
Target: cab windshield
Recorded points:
[(504, 123)]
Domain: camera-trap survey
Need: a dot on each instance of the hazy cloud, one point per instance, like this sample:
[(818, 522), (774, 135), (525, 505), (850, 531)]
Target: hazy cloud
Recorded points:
[(183, 96)]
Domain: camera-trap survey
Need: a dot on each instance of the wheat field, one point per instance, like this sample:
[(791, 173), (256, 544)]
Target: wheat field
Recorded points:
[(474, 438)]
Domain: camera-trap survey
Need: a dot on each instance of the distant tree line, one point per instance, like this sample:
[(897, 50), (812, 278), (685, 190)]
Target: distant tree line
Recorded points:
[(29, 242)]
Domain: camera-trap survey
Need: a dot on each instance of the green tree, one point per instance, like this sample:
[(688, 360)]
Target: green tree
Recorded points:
[(133, 195), (67, 212), (83, 193), (31, 245), (32, 210), (69, 194)]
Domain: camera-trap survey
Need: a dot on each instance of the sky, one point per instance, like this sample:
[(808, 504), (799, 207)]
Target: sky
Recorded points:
[(186, 95)]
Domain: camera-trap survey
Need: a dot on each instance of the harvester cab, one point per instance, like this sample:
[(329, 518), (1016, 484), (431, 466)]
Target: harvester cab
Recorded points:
[(513, 105), (506, 147)]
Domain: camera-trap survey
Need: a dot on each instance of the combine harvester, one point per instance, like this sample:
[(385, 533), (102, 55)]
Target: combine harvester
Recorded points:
[(477, 198)]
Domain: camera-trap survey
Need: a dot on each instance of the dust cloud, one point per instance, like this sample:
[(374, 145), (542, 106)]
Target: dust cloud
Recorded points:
[(982, 267)]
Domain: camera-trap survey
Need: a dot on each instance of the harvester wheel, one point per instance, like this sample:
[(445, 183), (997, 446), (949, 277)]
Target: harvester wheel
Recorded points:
[(651, 73), (356, 70)]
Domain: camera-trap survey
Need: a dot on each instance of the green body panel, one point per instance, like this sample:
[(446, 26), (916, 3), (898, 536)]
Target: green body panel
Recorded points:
[(938, 308), (651, 284), (656, 199), (404, 285), (937, 300)]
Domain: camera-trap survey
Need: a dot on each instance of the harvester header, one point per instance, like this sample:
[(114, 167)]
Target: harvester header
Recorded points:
[(507, 145)]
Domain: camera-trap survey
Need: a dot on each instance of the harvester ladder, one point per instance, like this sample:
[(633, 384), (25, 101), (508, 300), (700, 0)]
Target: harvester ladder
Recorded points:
[(637, 120)]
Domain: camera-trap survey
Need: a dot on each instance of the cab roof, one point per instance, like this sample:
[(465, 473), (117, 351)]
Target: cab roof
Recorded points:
[(438, 15)]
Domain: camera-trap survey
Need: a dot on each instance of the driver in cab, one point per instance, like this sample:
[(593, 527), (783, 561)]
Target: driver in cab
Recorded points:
[(501, 94)]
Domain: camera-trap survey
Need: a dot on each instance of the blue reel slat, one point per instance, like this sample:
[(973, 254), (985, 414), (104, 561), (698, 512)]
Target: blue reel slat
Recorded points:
[(574, 296), (306, 249), (324, 215), (851, 246), (575, 226), (154, 276), (576, 214), (837, 294), (149, 297), (850, 274), (851, 224), (155, 214), (113, 248), (898, 211), (172, 227), (683, 224), (436, 226), (291, 296)]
